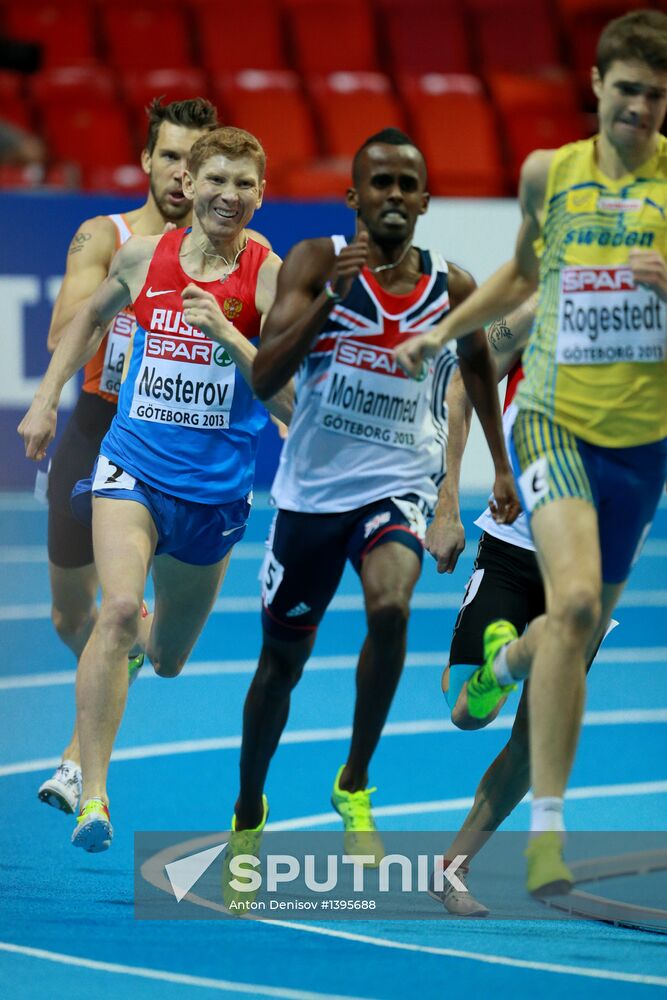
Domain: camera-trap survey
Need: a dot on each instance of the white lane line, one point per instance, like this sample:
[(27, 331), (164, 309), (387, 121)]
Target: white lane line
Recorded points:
[(655, 548), (472, 956), (153, 869), (213, 668), (652, 598), (161, 975), (458, 805), (624, 717)]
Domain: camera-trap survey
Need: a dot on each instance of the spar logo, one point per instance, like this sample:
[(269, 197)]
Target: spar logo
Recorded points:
[(221, 357), (181, 349), (597, 279), (122, 325), (369, 358)]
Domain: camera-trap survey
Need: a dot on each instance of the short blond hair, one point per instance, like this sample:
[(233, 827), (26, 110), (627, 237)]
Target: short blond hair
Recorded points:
[(233, 143)]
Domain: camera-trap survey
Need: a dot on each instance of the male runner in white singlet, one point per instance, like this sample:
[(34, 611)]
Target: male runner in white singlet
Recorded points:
[(362, 464)]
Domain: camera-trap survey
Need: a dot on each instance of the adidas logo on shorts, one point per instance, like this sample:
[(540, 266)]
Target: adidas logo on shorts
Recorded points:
[(300, 609)]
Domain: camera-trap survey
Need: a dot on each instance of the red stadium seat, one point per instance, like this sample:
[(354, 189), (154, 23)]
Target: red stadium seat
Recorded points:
[(20, 177), (128, 178), (73, 83), (331, 35), (272, 107), (233, 37), (139, 89), (521, 91), (322, 179), (535, 128), (16, 111), (351, 106), (64, 29), (424, 36), (518, 36), (91, 133), (454, 125), (11, 84), (145, 34)]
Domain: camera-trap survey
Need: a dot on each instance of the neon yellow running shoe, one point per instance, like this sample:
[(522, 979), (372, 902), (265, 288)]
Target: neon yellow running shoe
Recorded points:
[(361, 836), (548, 875), (134, 665), (93, 831), (239, 900), (483, 690)]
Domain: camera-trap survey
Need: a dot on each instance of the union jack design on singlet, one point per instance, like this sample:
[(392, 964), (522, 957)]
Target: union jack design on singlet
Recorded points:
[(362, 430)]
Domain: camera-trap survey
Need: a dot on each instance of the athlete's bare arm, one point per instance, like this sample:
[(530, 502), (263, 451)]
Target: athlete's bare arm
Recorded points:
[(88, 261), (82, 338), (503, 291), (479, 378), (201, 309), (445, 535), (508, 336), (302, 307)]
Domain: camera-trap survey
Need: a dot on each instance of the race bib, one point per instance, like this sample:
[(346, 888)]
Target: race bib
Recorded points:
[(367, 396), (118, 342), (184, 379), (109, 476), (604, 318)]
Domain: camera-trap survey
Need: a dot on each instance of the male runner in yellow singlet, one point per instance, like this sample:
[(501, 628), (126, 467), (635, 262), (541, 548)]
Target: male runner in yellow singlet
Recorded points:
[(590, 446)]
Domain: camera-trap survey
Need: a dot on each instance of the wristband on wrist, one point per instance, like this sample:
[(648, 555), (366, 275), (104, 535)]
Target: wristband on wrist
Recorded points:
[(331, 292)]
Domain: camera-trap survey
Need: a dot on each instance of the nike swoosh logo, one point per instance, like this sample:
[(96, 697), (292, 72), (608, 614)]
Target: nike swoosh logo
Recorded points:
[(230, 530), (150, 294)]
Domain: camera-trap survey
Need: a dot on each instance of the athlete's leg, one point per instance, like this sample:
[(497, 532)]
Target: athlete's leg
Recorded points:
[(124, 537), (388, 574), (184, 596), (265, 714), (500, 789), (566, 537), (74, 613), (301, 572)]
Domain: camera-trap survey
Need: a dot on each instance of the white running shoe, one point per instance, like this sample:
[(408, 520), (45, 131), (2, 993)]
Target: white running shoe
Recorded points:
[(63, 789), (462, 904)]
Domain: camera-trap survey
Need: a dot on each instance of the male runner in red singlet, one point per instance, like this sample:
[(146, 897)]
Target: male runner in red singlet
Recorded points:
[(172, 130), (362, 464), (171, 487)]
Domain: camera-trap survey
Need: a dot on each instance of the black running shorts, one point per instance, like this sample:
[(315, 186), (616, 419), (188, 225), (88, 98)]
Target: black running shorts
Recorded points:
[(70, 543), (306, 556), (505, 583)]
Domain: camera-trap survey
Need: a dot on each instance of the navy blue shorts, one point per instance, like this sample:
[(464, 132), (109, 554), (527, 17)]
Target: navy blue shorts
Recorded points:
[(196, 533), (306, 556)]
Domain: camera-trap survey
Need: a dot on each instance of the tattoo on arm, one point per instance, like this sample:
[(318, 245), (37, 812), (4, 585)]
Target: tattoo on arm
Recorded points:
[(78, 243), (499, 331)]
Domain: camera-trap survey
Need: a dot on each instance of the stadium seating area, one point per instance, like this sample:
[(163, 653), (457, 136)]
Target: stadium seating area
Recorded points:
[(478, 83)]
